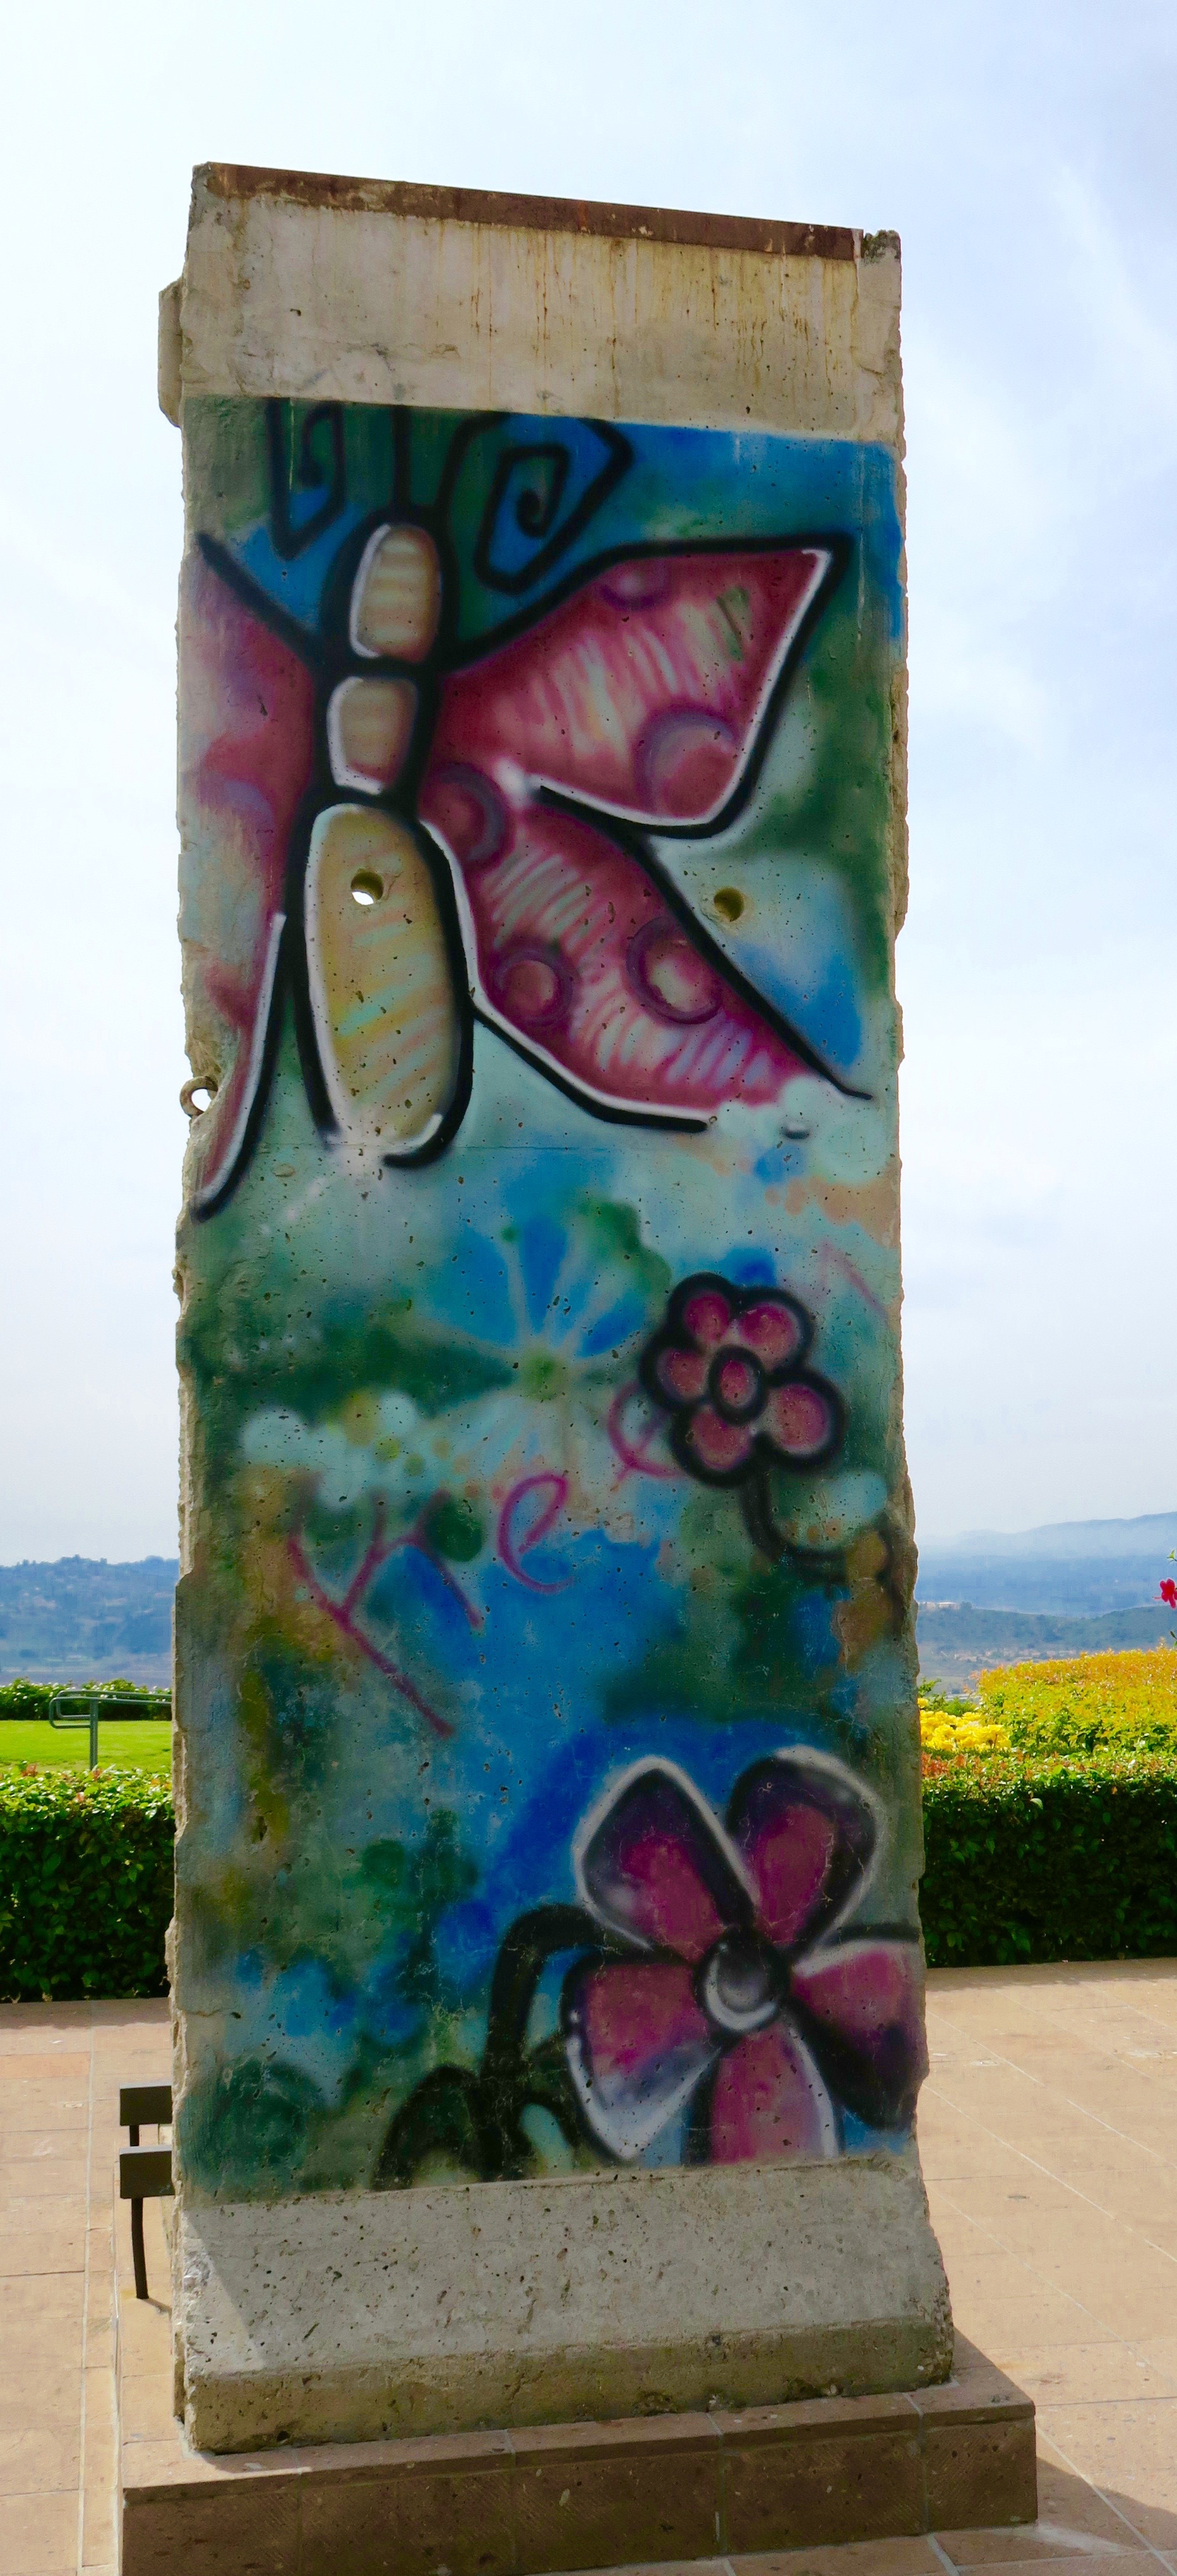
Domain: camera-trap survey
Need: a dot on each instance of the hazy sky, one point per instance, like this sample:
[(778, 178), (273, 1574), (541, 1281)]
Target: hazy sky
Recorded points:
[(1025, 154)]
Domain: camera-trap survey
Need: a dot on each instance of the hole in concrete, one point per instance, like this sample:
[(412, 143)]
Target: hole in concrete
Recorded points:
[(366, 887), (728, 902), (198, 1095)]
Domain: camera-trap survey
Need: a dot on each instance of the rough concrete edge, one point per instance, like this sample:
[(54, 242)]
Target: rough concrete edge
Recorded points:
[(170, 353), (775, 237), (582, 2385)]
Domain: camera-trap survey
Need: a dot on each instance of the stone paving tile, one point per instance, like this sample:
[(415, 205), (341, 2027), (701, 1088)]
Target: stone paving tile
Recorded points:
[(1088, 2561), (1087, 2114), (1130, 2186), (1159, 2352), (57, 2247), (21, 2209), (38, 2455), (36, 2107), (56, 2026), (1043, 2231), (1061, 2374), (59, 2075), (957, 2151), (99, 2503), (38, 2308), (32, 2178), (1001, 2299), (40, 2388), (39, 2535), (50, 2142), (44, 2066), (850, 2558), (1127, 2451), (995, 2200), (1098, 2145)]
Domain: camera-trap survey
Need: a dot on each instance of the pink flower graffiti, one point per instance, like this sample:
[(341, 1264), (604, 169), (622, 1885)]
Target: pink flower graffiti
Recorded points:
[(736, 2001), (728, 1368)]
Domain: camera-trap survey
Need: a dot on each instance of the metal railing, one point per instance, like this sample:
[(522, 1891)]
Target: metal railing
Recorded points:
[(89, 1708)]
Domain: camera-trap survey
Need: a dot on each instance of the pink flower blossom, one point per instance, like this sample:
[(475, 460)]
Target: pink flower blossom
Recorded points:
[(744, 1994), (728, 1368)]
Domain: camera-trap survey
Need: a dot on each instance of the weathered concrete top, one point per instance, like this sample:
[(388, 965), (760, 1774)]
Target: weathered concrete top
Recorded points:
[(346, 289)]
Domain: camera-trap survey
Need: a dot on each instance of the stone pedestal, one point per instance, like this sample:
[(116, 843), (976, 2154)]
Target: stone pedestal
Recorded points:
[(533, 2303), (547, 1971)]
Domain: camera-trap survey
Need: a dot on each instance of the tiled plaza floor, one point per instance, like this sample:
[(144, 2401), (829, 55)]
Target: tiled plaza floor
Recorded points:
[(1049, 2137), (60, 2070)]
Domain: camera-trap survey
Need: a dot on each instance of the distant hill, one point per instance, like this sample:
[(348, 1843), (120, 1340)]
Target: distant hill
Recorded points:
[(84, 1620), (958, 1639), (1067, 1569)]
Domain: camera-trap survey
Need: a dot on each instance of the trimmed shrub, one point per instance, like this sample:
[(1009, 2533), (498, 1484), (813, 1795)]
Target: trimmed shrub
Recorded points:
[(1041, 1860), (34, 1699), (85, 1883)]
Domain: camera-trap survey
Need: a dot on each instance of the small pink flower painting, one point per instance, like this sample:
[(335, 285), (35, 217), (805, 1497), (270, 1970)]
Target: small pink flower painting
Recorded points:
[(728, 1366)]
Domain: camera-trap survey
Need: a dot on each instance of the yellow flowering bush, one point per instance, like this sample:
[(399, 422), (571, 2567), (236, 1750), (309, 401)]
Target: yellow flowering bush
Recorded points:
[(1126, 1702), (943, 1733), (950, 1725)]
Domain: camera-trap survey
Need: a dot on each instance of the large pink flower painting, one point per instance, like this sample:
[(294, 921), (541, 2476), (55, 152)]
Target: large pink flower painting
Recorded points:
[(748, 1996)]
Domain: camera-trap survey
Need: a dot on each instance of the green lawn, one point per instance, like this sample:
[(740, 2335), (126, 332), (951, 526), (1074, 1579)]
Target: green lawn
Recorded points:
[(144, 1742)]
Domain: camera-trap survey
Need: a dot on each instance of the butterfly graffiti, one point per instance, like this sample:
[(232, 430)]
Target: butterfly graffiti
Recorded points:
[(420, 834)]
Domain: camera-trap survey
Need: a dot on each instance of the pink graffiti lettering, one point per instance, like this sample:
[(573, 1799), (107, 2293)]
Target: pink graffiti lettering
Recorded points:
[(515, 1541), (342, 1613), (633, 1453)]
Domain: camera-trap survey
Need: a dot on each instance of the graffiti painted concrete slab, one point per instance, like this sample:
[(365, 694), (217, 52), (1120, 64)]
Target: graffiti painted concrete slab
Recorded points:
[(545, 1663)]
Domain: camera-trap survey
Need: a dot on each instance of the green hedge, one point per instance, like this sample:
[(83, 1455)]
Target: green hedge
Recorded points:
[(1064, 1860), (85, 1884), (1050, 1860), (34, 1699)]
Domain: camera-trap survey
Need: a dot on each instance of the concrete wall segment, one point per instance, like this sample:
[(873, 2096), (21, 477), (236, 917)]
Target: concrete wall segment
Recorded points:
[(548, 1786)]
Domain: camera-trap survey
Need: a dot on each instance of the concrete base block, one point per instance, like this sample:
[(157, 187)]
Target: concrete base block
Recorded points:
[(526, 2501), (445, 2310)]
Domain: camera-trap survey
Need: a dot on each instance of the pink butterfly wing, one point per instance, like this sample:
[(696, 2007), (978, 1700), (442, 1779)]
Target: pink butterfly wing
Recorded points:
[(577, 955), (641, 696), (245, 761)]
